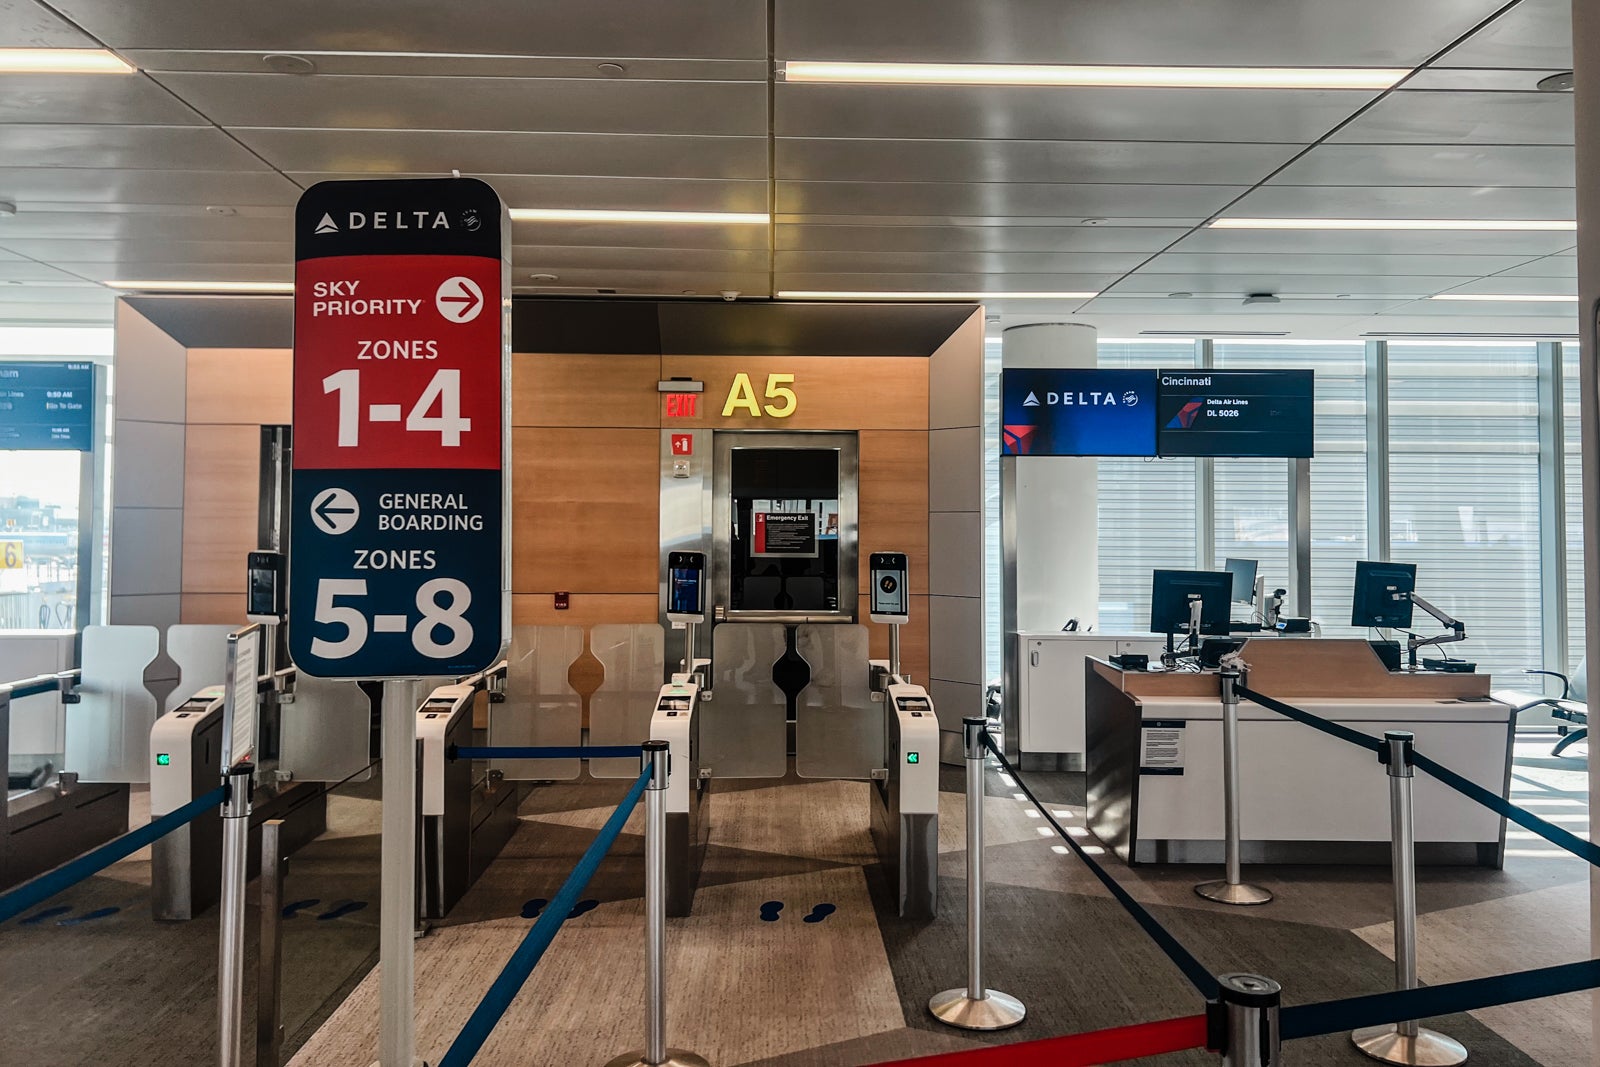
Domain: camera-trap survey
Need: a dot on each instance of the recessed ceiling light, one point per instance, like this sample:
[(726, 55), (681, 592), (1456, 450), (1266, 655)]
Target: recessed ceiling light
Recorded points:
[(541, 214), (612, 70), (1515, 298), (543, 278), (1132, 77), (1179, 296), (1393, 224), (166, 286), (1555, 83), (61, 61), (287, 64), (824, 294)]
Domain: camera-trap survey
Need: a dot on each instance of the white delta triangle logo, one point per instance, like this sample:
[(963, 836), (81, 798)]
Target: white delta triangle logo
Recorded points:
[(327, 225), (1032, 401)]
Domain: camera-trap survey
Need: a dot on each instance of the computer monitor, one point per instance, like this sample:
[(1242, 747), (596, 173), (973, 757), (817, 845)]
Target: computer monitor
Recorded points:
[(1171, 592), (1244, 578), (1382, 595)]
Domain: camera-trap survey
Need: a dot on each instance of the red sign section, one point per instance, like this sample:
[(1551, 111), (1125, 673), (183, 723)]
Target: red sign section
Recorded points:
[(396, 363)]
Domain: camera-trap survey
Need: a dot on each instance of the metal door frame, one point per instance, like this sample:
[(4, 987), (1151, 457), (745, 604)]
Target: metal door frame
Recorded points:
[(720, 587)]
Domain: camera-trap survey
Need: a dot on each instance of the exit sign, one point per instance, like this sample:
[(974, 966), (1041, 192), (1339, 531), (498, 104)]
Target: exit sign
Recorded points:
[(682, 405)]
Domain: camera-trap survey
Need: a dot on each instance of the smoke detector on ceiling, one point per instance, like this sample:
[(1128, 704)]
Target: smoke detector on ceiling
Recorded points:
[(1555, 83), (280, 63), (543, 278), (7, 209), (612, 70), (1260, 298)]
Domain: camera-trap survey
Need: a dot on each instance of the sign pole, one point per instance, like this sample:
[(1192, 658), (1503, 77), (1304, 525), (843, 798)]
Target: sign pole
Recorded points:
[(398, 890)]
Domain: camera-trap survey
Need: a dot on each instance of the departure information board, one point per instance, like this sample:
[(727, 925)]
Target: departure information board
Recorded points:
[(47, 406), (1235, 413), (399, 564)]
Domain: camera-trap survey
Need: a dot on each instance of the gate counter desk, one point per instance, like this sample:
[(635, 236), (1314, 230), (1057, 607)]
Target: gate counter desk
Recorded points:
[(1154, 759)]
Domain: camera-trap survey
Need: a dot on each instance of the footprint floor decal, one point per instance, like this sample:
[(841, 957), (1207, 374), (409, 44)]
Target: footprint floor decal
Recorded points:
[(291, 910), (40, 916), (770, 911), (532, 908), (88, 916), (582, 907), (820, 912)]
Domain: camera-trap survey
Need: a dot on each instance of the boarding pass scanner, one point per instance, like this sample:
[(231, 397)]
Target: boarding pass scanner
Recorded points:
[(674, 722)]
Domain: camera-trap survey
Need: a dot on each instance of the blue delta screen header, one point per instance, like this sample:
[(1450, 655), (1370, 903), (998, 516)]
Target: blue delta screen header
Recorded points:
[(1094, 412)]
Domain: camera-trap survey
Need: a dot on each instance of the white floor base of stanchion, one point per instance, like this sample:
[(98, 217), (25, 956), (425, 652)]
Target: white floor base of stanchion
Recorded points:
[(1227, 893), (996, 1011), (676, 1057), (1428, 1048)]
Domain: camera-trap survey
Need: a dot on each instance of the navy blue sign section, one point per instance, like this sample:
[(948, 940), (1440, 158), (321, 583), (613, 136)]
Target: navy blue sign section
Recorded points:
[(1236, 413), (1077, 412), (47, 407), (400, 575), (399, 555)]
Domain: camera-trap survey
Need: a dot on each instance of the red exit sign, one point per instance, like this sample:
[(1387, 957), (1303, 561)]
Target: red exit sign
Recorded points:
[(682, 405)]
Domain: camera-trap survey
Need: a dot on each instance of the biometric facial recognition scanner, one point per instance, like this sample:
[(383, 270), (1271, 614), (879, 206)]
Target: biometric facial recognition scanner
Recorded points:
[(1385, 594), (1191, 603), (890, 603)]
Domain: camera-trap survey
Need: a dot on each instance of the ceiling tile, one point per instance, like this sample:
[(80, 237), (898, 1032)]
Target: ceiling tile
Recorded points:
[(1520, 286), (1549, 267), (126, 147), (1534, 33), (1085, 114), (1427, 117), (62, 185), (1002, 199), (651, 283), (1244, 32), (1106, 162), (1284, 283), (1434, 165), (639, 234), (975, 238), (1378, 242), (82, 254), (154, 226), (1291, 263), (1405, 202), (974, 262), (559, 260), (711, 29), (554, 105), (457, 65), (947, 282), (562, 191), (26, 24), (378, 152), (1156, 307), (69, 98)]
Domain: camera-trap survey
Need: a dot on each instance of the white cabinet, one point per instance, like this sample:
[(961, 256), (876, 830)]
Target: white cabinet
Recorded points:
[(1051, 700)]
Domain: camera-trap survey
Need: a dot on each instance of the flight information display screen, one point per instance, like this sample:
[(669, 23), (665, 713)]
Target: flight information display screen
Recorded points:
[(1077, 412), (1235, 413), (47, 406)]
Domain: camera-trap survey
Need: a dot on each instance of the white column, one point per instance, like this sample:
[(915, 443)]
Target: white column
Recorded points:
[(1586, 67), (1057, 534)]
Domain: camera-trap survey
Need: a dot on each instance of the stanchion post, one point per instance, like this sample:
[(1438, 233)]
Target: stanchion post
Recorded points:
[(269, 971), (230, 940), (1232, 889), (975, 1007), (1405, 1042), (1251, 1003), (655, 757)]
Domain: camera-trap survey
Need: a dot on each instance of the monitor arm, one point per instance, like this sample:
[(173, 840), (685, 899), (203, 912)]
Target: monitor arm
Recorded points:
[(1458, 629)]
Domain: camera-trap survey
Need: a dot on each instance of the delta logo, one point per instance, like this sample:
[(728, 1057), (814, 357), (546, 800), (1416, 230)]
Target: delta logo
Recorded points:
[(1083, 399), (1184, 419), (1018, 440)]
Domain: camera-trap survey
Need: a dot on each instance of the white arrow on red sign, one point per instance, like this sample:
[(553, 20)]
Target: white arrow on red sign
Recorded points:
[(459, 299)]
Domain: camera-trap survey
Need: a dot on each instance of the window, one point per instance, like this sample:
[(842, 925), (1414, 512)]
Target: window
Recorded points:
[(1464, 490), (1147, 516), (993, 639), (1572, 454)]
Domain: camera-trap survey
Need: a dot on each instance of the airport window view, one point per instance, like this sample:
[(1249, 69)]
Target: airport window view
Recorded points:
[(927, 533)]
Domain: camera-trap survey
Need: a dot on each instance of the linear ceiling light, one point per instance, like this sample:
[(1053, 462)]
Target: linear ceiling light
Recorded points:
[(61, 61), (1515, 298), (1130, 77), (1393, 224), (826, 294), (540, 214), (202, 287)]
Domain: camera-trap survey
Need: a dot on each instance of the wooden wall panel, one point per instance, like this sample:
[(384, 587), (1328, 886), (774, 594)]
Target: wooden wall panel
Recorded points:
[(914, 655), (221, 484), (576, 390), (833, 392), (587, 510), (217, 609), (587, 609), (240, 385), (894, 499)]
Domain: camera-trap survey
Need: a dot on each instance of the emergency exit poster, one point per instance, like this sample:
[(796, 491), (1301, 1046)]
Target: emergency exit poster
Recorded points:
[(398, 558)]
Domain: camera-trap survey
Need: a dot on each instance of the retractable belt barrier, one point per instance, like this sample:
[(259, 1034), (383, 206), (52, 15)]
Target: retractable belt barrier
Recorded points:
[(1564, 839), (72, 872), (460, 752), (1079, 1050), (532, 948), (1201, 978)]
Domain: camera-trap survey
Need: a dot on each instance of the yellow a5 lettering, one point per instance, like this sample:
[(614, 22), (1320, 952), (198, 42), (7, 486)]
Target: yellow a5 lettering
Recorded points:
[(742, 396)]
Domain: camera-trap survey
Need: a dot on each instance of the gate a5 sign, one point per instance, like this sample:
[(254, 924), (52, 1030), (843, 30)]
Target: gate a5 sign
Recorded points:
[(398, 557)]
